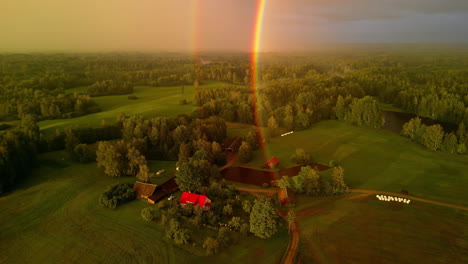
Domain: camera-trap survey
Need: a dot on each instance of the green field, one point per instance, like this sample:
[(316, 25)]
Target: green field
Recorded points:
[(151, 102), (366, 230), (54, 217), (378, 159)]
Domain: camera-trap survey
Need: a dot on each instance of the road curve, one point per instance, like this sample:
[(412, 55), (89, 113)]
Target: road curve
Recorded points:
[(409, 197)]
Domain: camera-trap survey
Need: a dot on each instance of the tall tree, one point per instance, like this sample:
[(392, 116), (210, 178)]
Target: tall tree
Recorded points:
[(337, 181), (263, 218), (273, 129), (433, 137), (245, 152)]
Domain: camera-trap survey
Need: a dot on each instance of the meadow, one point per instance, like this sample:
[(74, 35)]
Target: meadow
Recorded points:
[(356, 229), (54, 217), (377, 159), (151, 102)]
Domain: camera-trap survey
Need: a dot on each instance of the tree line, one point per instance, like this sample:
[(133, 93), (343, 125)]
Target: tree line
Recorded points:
[(434, 138)]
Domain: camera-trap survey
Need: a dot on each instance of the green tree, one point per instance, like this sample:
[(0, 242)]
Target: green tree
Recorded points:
[(337, 181), (194, 174), (148, 213), (284, 182), (291, 219), (301, 157), (450, 143), (273, 128), (252, 138), (235, 222), (224, 237), (109, 159), (411, 127), (184, 153), (461, 149), (433, 136), (247, 206), (288, 120), (245, 152), (263, 222), (340, 109), (211, 245), (227, 210)]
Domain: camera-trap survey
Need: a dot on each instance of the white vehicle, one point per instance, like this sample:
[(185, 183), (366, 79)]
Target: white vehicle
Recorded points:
[(160, 171)]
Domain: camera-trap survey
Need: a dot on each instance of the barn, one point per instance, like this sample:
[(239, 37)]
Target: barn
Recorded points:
[(232, 144), (195, 199), (273, 162), (144, 190), (164, 189)]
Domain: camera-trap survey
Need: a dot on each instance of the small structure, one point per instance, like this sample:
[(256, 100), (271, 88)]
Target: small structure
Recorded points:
[(195, 199), (232, 144), (144, 190), (273, 162)]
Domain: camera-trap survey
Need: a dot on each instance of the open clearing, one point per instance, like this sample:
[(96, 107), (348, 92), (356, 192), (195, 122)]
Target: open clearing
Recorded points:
[(151, 102), (362, 229), (377, 159), (54, 217)]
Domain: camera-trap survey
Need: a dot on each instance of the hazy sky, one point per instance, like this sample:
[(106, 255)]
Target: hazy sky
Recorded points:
[(224, 24)]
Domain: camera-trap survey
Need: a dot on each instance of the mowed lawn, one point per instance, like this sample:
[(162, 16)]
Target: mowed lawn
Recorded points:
[(54, 217), (151, 102), (378, 159), (366, 230)]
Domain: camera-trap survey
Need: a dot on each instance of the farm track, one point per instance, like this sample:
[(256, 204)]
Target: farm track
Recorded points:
[(294, 242)]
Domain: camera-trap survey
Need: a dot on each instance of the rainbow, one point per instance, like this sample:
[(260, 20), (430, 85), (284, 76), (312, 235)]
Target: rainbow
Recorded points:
[(254, 67)]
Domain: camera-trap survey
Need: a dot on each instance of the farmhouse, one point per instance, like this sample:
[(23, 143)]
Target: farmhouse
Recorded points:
[(195, 199), (273, 162), (232, 144), (144, 190)]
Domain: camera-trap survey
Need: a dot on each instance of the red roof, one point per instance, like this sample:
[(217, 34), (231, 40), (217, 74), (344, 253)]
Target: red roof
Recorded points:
[(191, 198), (273, 161)]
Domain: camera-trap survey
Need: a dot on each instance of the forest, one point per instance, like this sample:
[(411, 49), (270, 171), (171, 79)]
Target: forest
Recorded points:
[(294, 93)]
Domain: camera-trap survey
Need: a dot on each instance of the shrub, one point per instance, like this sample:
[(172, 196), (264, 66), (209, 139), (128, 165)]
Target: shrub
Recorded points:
[(116, 195), (149, 214)]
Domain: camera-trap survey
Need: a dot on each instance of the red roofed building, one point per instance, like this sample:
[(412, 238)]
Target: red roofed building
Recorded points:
[(273, 162), (195, 199)]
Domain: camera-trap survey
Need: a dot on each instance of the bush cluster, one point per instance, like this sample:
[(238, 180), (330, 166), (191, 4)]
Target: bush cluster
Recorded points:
[(116, 195)]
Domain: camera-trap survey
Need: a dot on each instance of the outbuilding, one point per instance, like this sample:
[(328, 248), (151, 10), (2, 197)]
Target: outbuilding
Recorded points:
[(195, 199), (273, 162)]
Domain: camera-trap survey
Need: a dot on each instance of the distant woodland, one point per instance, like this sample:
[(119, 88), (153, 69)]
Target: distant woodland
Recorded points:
[(294, 92)]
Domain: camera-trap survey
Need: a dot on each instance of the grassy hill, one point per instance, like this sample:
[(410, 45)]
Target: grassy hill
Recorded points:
[(151, 102), (355, 229), (54, 217), (379, 160)]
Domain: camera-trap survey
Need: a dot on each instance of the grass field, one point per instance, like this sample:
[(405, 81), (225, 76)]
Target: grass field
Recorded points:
[(54, 217), (377, 159), (151, 102), (365, 230)]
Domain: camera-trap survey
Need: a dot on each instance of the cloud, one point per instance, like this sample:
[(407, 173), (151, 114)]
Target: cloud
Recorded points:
[(352, 10)]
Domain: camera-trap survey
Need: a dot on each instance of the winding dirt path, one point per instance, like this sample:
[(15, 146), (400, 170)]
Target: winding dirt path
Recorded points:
[(409, 197), (294, 242)]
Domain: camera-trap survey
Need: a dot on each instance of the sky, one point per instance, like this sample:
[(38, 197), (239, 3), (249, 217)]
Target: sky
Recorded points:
[(186, 25)]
